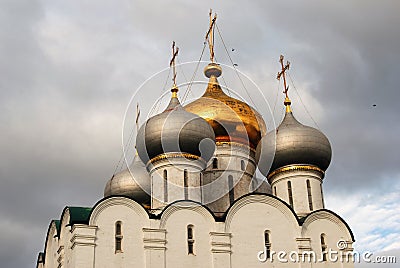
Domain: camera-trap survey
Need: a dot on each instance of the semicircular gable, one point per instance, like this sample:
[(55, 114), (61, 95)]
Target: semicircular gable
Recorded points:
[(264, 199), (114, 201), (185, 205), (327, 215), (64, 221), (52, 233)]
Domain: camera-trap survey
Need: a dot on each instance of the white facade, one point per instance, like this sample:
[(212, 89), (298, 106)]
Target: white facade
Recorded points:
[(305, 188), (201, 214), (233, 240)]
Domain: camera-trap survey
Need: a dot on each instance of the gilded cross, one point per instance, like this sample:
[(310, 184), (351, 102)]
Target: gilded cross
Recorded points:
[(172, 62), (210, 35), (282, 73)]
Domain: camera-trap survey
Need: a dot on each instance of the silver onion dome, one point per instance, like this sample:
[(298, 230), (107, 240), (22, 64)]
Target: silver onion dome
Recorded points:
[(175, 131), (133, 182), (293, 144)]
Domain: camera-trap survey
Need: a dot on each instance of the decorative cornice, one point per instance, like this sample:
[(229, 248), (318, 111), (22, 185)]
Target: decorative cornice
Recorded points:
[(153, 230), (174, 155), (220, 242), (235, 144), (154, 239), (82, 244), (61, 248), (83, 226), (295, 167), (82, 240), (155, 248), (303, 244), (221, 234)]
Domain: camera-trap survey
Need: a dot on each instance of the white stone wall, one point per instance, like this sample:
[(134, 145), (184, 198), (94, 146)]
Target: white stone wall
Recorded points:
[(175, 168), (162, 241), (51, 246), (215, 183), (298, 179)]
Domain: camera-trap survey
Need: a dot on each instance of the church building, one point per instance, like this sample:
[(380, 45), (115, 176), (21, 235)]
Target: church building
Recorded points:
[(190, 198)]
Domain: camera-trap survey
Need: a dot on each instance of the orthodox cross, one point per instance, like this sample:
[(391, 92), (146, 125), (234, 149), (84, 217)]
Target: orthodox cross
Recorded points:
[(137, 117), (282, 73), (210, 35), (172, 62)]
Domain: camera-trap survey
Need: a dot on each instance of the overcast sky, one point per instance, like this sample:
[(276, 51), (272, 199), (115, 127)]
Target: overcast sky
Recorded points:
[(69, 68)]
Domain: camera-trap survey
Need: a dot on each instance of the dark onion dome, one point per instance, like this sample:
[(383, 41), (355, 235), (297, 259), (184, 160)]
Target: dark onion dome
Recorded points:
[(296, 144), (133, 182), (175, 131), (231, 119)]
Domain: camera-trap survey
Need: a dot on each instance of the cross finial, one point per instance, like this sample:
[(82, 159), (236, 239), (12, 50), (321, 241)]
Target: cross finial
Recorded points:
[(175, 51), (137, 120), (210, 35), (282, 73), (137, 116)]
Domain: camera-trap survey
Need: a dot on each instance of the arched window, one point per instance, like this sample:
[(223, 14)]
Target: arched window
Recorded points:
[(201, 187), (275, 190), (322, 196), (215, 163), (118, 237), (190, 239), (185, 184), (289, 187), (231, 189), (310, 205), (267, 243), (165, 186), (323, 247), (242, 165), (254, 184)]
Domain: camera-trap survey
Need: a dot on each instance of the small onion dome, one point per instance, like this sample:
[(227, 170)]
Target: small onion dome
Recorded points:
[(231, 119), (296, 144), (133, 182), (175, 131)]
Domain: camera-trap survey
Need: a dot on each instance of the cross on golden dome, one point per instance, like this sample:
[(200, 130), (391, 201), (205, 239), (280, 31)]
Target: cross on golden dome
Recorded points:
[(210, 35)]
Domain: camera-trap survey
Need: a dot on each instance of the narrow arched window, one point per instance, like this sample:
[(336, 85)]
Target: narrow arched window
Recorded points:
[(289, 187), (275, 190), (254, 184), (267, 243), (322, 196), (231, 189), (185, 184), (310, 204), (165, 186), (118, 237), (323, 247), (215, 163), (201, 187), (190, 239), (242, 165)]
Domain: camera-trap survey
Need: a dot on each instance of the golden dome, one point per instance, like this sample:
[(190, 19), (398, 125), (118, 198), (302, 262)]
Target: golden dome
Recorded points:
[(231, 119)]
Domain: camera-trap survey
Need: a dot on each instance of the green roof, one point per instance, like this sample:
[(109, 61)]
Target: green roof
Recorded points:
[(58, 226), (79, 215)]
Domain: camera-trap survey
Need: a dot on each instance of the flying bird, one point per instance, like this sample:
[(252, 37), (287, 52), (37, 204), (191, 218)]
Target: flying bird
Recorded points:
[(233, 49), (373, 105), (235, 64)]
